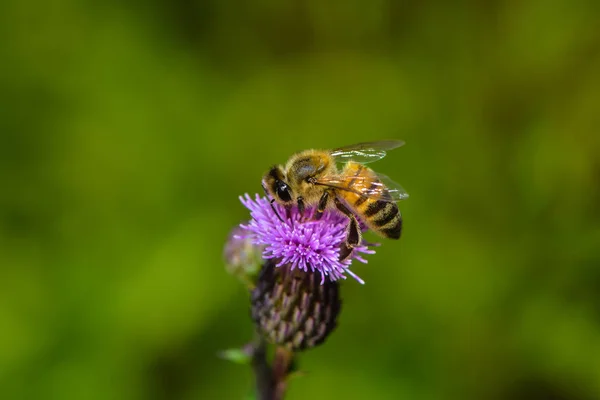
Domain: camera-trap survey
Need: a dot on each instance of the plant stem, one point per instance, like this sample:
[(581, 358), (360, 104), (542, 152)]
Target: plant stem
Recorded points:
[(262, 371), (280, 368), (271, 381)]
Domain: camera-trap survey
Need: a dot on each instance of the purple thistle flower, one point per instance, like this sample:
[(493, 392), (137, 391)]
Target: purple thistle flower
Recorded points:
[(303, 243)]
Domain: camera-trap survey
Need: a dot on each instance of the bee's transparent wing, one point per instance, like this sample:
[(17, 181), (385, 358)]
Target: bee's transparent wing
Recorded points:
[(394, 192), (377, 186), (365, 152)]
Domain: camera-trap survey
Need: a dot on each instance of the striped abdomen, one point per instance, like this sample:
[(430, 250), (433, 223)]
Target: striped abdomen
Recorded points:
[(381, 215)]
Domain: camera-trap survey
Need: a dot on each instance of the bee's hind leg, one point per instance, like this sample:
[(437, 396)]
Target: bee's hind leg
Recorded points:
[(353, 233), (345, 251)]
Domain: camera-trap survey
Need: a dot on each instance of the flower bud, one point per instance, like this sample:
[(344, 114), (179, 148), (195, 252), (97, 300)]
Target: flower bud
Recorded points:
[(242, 257), (292, 308)]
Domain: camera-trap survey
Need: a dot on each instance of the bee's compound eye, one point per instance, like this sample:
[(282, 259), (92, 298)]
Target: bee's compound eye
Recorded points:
[(283, 192)]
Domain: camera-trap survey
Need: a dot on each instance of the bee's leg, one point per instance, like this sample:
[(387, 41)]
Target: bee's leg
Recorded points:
[(322, 205), (345, 251), (353, 235), (301, 206)]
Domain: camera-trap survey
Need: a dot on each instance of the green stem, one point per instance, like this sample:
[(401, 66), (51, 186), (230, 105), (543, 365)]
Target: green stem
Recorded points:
[(271, 381)]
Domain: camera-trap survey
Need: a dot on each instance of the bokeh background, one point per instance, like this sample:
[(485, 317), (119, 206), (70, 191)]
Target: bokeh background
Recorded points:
[(128, 129)]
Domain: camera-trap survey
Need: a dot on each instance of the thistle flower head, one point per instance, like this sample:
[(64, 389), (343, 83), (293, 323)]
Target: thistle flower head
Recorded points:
[(291, 308), (300, 242)]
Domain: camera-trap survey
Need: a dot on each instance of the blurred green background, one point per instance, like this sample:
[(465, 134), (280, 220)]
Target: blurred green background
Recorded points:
[(129, 128)]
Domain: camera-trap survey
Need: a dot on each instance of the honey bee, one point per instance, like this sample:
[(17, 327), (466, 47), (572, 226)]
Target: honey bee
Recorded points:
[(312, 177)]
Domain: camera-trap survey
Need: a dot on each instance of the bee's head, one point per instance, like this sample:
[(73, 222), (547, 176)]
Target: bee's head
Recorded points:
[(275, 186)]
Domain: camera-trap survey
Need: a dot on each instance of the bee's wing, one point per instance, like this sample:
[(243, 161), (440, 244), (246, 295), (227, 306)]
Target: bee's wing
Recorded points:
[(365, 152), (378, 186), (394, 192)]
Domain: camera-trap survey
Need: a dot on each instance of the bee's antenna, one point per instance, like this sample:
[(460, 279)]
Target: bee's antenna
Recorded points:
[(275, 210), (271, 202)]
